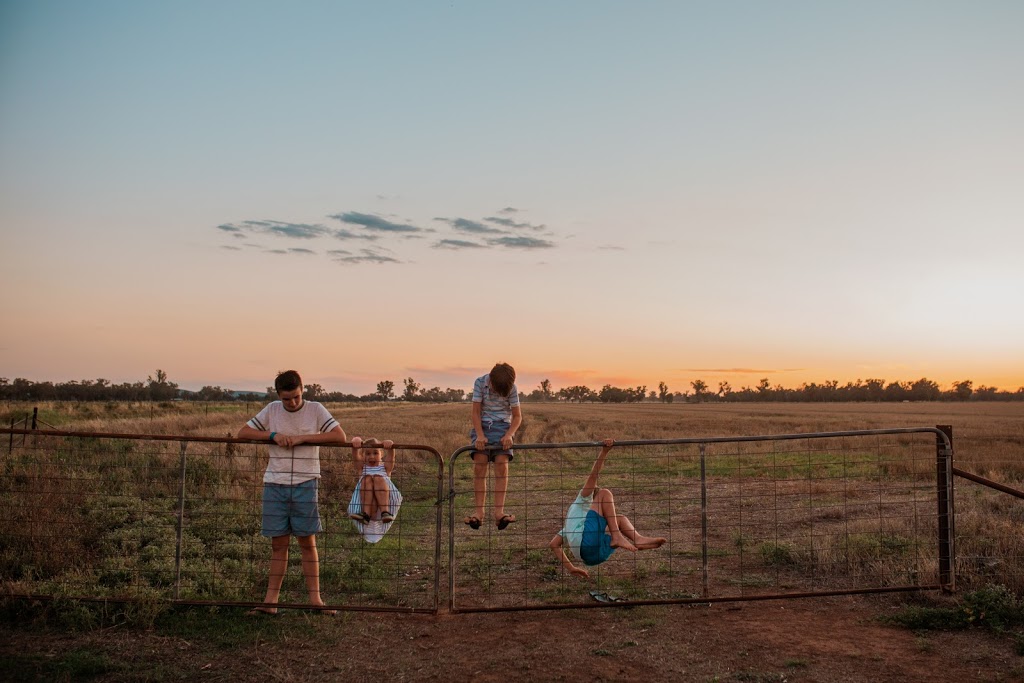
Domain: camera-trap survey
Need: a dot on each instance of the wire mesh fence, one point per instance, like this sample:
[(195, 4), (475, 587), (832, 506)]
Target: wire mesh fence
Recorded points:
[(135, 518), (132, 517), (989, 522), (743, 518)]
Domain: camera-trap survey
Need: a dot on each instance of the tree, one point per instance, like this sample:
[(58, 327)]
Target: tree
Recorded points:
[(610, 394), (545, 389), (313, 392), (160, 389), (411, 389), (724, 389), (700, 388), (577, 393), (663, 392), (386, 389), (925, 389), (963, 389)]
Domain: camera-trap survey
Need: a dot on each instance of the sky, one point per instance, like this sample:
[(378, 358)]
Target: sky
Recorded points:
[(595, 192)]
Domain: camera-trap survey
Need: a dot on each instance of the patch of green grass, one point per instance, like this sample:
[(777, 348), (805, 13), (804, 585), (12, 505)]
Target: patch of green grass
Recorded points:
[(994, 607), (778, 554), (227, 628)]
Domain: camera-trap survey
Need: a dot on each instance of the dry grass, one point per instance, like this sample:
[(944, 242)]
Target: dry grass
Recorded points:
[(824, 517)]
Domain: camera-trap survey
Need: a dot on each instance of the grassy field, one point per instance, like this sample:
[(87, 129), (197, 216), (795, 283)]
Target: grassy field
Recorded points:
[(783, 516)]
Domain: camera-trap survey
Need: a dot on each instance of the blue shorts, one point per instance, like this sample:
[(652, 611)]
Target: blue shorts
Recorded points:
[(493, 431), (597, 545), (291, 510)]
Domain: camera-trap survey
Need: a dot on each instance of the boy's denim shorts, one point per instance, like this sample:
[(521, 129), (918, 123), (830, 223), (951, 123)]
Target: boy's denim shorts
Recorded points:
[(493, 431), (291, 510)]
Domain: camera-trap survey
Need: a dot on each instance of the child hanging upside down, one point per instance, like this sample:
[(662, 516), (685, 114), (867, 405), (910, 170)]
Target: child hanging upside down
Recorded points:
[(376, 499), (593, 530)]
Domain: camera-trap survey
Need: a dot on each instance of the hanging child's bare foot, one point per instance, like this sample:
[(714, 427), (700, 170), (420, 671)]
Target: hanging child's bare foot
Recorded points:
[(620, 541), (649, 542)]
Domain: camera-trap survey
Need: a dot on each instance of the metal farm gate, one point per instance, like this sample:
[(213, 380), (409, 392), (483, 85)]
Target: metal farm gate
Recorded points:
[(125, 517)]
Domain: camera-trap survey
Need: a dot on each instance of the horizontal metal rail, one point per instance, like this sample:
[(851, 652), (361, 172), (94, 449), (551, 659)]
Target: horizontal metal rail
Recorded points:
[(988, 482)]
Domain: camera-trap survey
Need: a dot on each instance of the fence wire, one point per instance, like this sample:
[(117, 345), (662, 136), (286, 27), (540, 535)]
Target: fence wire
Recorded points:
[(989, 523), (131, 517), (136, 518), (744, 518)]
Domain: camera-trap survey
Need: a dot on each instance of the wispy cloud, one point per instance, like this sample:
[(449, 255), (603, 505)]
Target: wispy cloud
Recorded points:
[(509, 223), (345, 234), (279, 228), (457, 244), (611, 247), (291, 251), (471, 227), (372, 222), (231, 247), (521, 243), (364, 256), (509, 209)]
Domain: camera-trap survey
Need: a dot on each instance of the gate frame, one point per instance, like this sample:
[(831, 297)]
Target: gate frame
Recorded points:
[(184, 441), (944, 490)]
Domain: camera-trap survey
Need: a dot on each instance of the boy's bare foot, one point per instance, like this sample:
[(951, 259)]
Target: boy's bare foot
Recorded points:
[(325, 612), (620, 541), (649, 542)]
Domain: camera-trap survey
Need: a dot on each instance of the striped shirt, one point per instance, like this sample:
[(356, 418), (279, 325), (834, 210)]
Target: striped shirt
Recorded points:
[(293, 466), (494, 408)]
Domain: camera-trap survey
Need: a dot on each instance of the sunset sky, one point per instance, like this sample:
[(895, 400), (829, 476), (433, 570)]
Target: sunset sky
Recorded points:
[(596, 192)]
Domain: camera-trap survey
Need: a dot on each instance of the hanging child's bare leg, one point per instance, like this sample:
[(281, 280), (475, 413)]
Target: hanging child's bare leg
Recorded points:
[(604, 505), (639, 540)]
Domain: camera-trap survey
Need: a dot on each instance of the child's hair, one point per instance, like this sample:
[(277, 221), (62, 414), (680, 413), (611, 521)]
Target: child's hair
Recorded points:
[(503, 376), (371, 443), (288, 380)]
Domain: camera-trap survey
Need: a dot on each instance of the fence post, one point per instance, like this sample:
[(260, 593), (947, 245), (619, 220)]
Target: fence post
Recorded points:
[(944, 489), (10, 446), (181, 524), (704, 518), (35, 416)]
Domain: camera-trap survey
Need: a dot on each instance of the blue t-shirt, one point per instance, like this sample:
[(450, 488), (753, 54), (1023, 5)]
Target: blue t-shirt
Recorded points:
[(494, 408)]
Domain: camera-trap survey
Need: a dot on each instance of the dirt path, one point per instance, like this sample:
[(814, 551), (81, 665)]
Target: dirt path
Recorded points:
[(833, 639)]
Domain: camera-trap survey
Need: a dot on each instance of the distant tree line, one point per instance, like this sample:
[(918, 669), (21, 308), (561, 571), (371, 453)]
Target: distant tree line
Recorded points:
[(158, 387), (831, 391)]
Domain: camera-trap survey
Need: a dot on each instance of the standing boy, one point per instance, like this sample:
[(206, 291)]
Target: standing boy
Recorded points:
[(593, 529), (295, 429), (496, 417)]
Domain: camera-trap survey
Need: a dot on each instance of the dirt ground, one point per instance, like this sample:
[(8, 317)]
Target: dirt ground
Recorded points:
[(821, 639)]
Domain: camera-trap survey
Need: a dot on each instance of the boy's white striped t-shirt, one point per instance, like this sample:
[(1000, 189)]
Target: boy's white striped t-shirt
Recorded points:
[(293, 465), (494, 407)]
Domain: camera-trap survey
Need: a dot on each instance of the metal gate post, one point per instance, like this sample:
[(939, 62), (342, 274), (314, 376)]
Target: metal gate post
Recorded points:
[(944, 489), (704, 518), (181, 524)]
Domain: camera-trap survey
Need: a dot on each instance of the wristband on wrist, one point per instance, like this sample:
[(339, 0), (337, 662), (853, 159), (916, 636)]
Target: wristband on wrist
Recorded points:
[(272, 435)]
